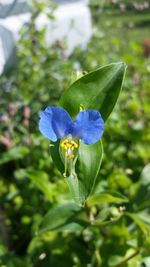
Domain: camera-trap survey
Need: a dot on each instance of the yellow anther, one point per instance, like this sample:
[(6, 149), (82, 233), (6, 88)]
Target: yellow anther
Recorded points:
[(64, 144), (69, 144), (68, 150), (74, 144)]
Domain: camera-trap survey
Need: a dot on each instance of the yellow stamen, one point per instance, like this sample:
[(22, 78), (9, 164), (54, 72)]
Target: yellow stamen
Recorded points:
[(69, 152), (64, 144), (69, 144), (74, 144)]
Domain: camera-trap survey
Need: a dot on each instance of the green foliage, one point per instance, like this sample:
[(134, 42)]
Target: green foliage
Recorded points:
[(59, 216), (14, 154), (91, 91), (100, 198), (39, 225), (97, 90)]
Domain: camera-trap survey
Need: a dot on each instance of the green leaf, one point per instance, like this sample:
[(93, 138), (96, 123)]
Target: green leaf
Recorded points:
[(87, 168), (97, 90), (144, 216), (100, 198), (54, 150), (76, 189), (118, 261), (145, 175), (88, 165), (39, 179), (115, 260), (59, 216), (14, 153), (107, 215), (71, 227), (142, 225), (146, 261), (143, 193)]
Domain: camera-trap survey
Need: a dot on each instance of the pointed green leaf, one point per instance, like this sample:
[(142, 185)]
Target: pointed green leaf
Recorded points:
[(59, 216), (98, 90), (142, 225), (87, 167), (54, 150), (106, 197)]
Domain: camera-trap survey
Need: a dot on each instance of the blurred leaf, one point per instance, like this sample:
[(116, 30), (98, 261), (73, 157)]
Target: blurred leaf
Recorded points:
[(14, 154), (107, 215), (146, 261), (40, 179), (142, 225), (97, 90), (129, 259), (145, 175), (100, 198), (144, 216), (143, 193), (118, 180), (115, 260), (71, 227), (59, 216)]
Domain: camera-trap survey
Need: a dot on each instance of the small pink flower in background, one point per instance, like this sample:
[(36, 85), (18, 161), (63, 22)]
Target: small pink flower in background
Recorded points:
[(27, 140), (122, 7), (26, 112), (135, 78), (6, 140), (26, 122), (5, 118), (113, 1), (12, 109)]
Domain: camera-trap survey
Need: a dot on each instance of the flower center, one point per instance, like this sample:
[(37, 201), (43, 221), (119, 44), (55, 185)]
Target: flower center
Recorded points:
[(69, 146), (68, 152)]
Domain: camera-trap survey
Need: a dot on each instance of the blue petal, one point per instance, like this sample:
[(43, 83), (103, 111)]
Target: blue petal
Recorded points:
[(88, 126), (55, 123)]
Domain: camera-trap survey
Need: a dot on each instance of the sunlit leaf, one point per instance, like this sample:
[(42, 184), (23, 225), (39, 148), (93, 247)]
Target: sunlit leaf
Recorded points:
[(98, 90), (142, 225), (112, 197)]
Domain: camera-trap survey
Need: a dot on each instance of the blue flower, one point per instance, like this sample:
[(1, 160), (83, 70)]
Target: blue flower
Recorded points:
[(55, 123)]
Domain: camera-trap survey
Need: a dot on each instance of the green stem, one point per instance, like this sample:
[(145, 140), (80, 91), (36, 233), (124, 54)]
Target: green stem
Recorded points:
[(4, 230), (89, 213), (127, 259)]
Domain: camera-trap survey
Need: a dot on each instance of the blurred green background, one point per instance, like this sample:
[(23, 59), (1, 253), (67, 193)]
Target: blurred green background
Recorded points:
[(30, 184)]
